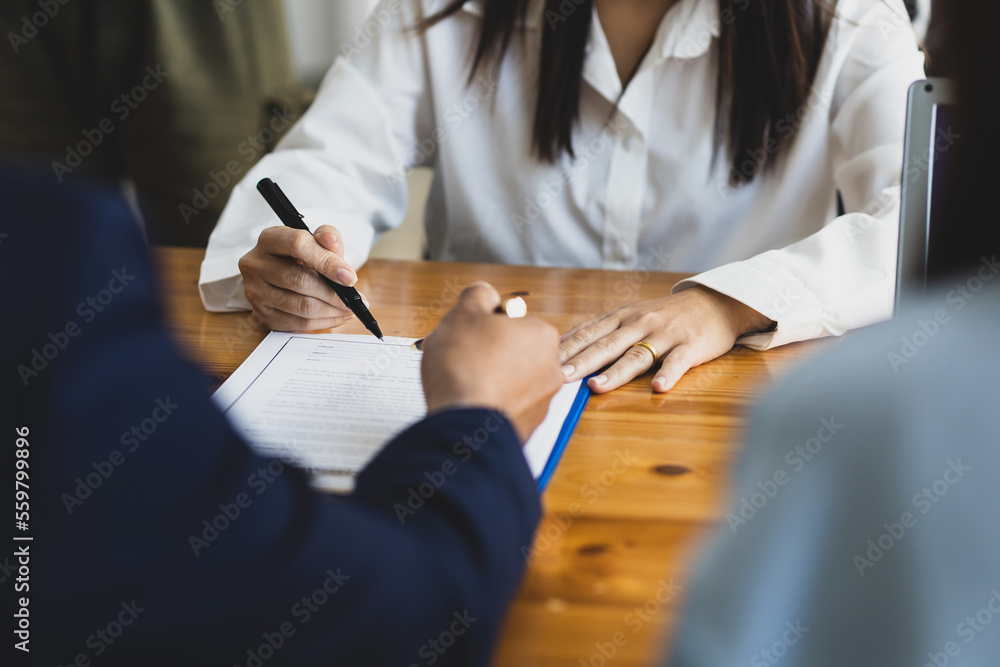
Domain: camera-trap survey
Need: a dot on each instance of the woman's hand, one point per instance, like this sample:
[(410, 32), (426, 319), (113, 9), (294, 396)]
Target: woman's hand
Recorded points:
[(686, 329), (281, 279)]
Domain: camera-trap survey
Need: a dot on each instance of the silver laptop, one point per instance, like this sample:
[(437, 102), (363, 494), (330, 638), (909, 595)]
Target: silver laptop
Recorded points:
[(932, 130)]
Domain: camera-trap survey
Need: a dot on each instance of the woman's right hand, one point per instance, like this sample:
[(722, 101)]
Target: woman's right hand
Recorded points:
[(281, 279)]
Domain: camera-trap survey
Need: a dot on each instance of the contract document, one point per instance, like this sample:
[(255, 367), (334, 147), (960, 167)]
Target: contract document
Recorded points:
[(329, 403)]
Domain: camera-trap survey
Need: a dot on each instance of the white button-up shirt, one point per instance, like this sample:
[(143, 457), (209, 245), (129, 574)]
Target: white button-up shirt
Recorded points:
[(642, 192)]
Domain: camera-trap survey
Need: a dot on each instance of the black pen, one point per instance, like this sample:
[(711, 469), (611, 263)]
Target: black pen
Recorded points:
[(290, 217)]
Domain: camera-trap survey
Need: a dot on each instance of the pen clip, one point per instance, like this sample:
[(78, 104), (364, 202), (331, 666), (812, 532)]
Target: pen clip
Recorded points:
[(276, 198), (288, 205)]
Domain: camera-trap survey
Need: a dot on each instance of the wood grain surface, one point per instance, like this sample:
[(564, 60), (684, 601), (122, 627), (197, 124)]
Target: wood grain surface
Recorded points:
[(643, 480)]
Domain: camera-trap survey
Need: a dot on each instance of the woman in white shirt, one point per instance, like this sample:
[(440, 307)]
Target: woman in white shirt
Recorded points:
[(645, 135)]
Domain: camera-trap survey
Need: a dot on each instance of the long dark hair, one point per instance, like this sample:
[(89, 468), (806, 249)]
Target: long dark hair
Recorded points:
[(769, 51)]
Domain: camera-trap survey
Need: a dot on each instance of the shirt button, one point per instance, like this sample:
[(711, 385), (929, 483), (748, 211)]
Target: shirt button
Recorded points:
[(632, 142)]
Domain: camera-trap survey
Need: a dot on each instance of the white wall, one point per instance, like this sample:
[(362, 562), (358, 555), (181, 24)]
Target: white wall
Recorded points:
[(318, 27)]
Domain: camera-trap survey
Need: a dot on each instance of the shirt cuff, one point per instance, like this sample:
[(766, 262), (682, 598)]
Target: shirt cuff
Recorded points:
[(782, 299), (221, 285)]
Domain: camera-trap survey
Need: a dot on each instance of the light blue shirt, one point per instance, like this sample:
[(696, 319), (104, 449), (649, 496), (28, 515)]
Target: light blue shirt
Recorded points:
[(865, 527)]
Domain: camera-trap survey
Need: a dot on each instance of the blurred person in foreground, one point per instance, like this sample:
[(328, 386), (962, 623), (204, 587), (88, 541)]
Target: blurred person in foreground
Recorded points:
[(863, 530), (289, 575), (178, 98)]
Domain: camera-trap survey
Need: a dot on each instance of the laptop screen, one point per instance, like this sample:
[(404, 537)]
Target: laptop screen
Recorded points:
[(932, 133), (942, 161)]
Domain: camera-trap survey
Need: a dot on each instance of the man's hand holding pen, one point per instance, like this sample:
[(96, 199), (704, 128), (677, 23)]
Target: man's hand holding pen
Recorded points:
[(476, 359)]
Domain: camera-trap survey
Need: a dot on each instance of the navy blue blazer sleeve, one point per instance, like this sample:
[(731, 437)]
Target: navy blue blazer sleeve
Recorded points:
[(161, 538)]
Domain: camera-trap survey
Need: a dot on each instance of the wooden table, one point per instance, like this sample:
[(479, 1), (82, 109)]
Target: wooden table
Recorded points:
[(643, 478)]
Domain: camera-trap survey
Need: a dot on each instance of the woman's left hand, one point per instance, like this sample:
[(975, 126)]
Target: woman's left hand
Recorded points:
[(685, 329)]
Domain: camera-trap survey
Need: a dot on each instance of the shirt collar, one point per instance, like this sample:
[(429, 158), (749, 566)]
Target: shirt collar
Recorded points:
[(687, 30)]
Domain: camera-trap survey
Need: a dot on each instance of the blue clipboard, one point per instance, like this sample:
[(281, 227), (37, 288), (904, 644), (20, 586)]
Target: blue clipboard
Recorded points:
[(579, 403)]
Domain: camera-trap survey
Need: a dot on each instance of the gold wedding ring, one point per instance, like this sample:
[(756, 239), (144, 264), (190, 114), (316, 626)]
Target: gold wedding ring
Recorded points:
[(649, 348)]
